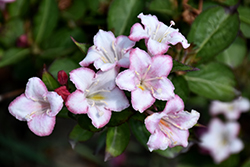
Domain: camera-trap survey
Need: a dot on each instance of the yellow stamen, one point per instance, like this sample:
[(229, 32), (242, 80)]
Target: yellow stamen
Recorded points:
[(97, 97)]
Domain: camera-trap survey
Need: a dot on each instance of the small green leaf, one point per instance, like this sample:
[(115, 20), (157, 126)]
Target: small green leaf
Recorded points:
[(181, 87), (214, 81), (82, 46), (213, 31), (78, 134), (50, 82), (13, 55), (65, 64), (122, 14), (178, 66), (45, 20), (244, 13), (170, 152), (234, 55), (118, 118), (84, 121), (140, 132), (117, 140)]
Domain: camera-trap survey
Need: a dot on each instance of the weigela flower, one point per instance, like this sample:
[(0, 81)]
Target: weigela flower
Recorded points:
[(96, 95), (170, 127), (108, 51), (221, 139), (231, 110), (147, 79), (157, 35), (38, 107)]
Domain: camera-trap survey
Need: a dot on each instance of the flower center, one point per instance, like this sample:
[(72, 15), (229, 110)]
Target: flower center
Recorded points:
[(165, 128), (42, 107), (159, 37)]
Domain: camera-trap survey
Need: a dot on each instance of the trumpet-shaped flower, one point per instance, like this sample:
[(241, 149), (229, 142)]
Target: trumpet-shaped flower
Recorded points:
[(147, 79), (157, 35), (96, 95), (108, 51), (170, 127), (38, 107), (221, 139), (231, 110)]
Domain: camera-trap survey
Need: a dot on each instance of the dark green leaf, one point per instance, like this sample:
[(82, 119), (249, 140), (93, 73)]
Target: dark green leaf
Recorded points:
[(117, 140), (165, 7), (45, 20), (76, 10), (170, 152), (214, 81), (11, 31), (181, 87), (122, 14), (178, 66), (57, 52), (65, 64), (81, 46), (18, 8), (50, 82), (84, 121), (234, 55), (13, 56), (140, 132), (246, 164), (213, 31), (228, 2), (78, 134), (244, 13), (118, 118)]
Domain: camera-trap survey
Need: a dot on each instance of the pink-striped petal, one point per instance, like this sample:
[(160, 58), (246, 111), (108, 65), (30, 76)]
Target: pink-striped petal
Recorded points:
[(139, 60), (174, 105), (149, 21), (157, 48), (161, 65), (36, 89), (152, 122), (103, 40), (92, 55), (56, 103), (77, 103), (126, 80), (137, 33), (123, 43), (176, 37), (158, 141)]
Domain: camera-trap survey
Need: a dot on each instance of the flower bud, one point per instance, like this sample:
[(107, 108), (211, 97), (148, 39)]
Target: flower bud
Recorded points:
[(63, 92), (62, 77)]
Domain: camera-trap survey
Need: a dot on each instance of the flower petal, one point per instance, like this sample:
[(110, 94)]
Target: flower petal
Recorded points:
[(236, 146), (139, 60), (123, 43), (124, 61), (161, 65), (141, 99), (99, 116), (176, 37), (42, 125), (149, 21), (116, 100), (126, 80), (56, 103), (137, 33), (77, 103), (158, 141), (157, 48), (152, 121), (103, 40), (21, 107), (243, 104), (35, 89), (164, 89), (82, 77), (99, 64), (105, 79), (174, 105), (92, 55)]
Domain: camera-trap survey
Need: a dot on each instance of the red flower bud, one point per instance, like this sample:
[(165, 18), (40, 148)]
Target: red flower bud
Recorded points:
[(63, 92), (62, 77)]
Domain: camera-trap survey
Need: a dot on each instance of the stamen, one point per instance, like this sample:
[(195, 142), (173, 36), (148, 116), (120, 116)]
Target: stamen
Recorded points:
[(150, 79), (47, 111), (105, 53), (113, 47), (146, 71)]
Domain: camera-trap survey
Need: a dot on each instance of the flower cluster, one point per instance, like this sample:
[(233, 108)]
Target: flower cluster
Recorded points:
[(99, 93), (224, 135)]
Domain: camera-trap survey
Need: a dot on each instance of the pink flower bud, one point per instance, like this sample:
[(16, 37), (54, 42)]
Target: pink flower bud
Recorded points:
[(22, 41), (62, 77), (63, 92)]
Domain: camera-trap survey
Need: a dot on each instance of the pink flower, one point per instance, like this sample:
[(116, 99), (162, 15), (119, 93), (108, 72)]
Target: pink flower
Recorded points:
[(96, 95), (170, 127), (157, 35), (147, 79), (221, 139), (3, 2), (108, 51), (231, 110), (38, 107)]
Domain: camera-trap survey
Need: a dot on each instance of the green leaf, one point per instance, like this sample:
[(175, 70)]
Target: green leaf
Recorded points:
[(13, 55), (118, 118), (234, 55), (140, 132), (165, 7), (18, 8), (170, 152), (45, 20), (76, 10), (228, 2), (78, 134), (178, 66), (246, 164), (82, 46), (50, 82), (122, 15), (11, 31), (214, 81), (84, 121), (117, 140), (181, 87), (213, 31), (244, 13), (65, 64)]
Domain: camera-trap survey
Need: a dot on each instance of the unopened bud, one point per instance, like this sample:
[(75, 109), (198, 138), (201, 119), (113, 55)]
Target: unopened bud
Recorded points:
[(63, 92), (62, 77)]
